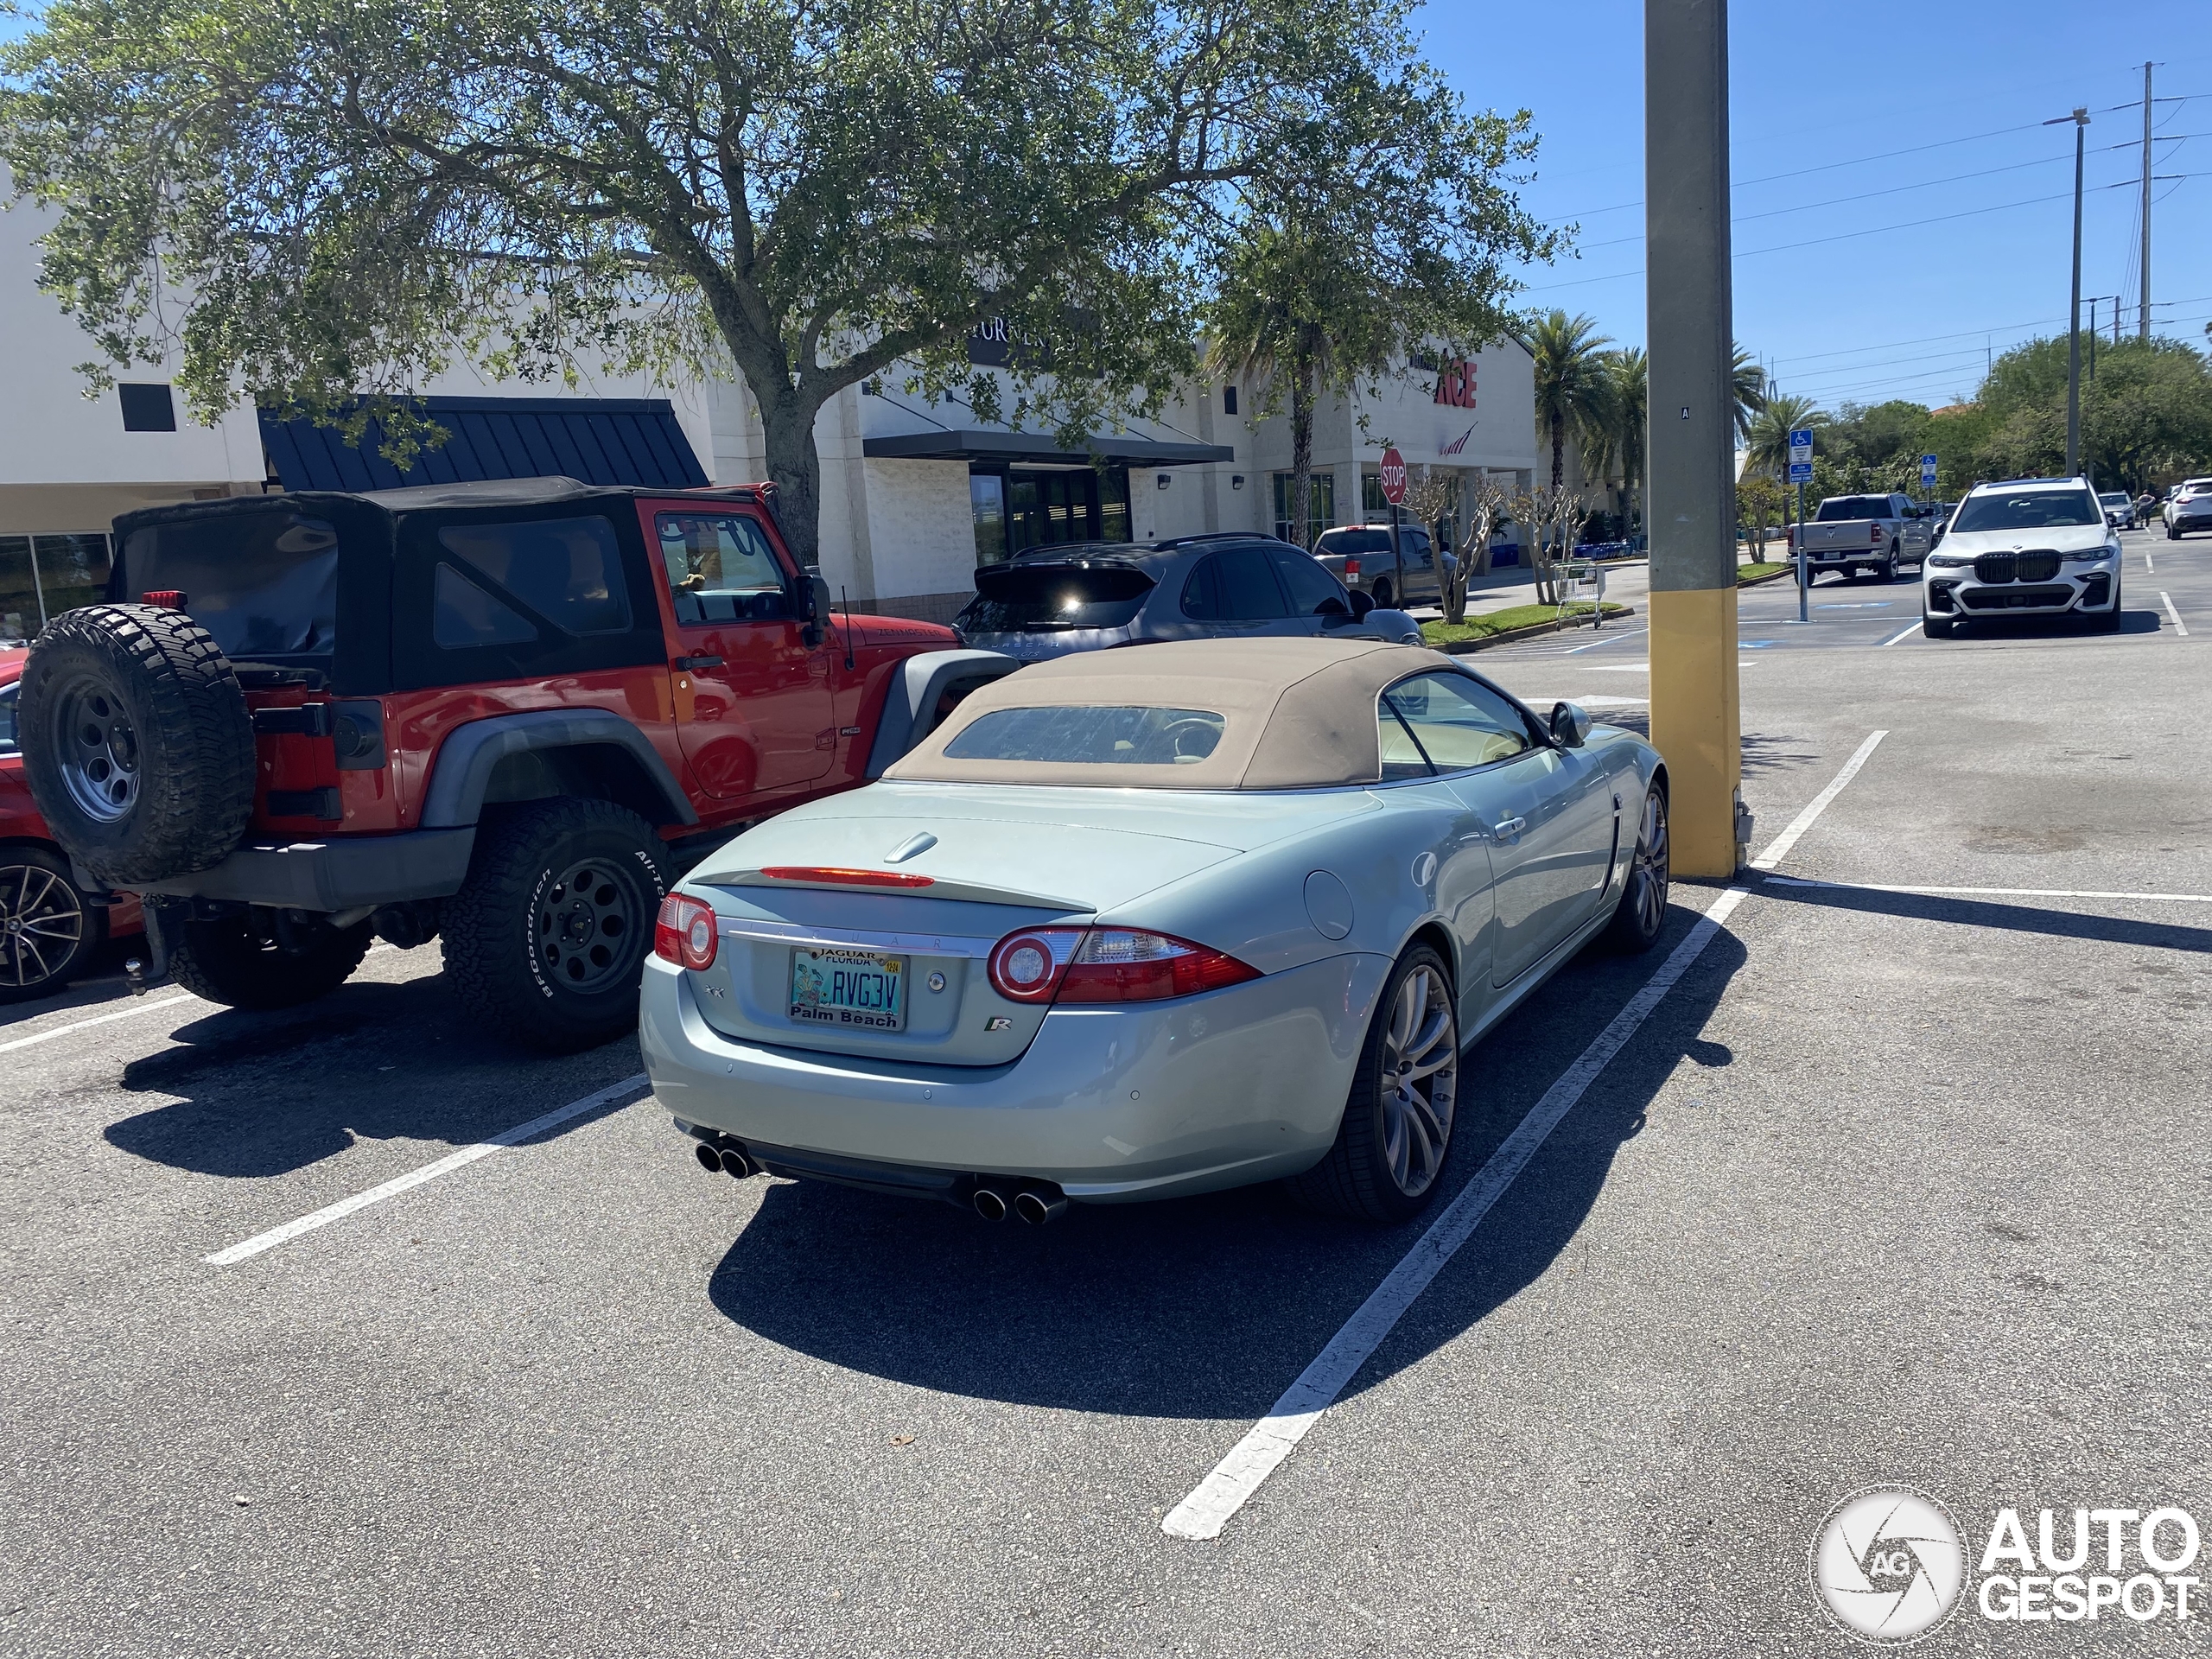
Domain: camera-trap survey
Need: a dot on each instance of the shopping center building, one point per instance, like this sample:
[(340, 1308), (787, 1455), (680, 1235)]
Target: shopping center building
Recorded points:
[(916, 492)]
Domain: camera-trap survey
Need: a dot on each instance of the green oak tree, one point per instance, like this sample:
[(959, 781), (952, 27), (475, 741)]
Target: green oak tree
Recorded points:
[(310, 201)]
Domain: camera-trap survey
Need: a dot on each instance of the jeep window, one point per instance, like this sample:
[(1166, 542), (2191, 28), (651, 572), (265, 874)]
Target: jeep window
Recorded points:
[(463, 615), (567, 570), (721, 568), (8, 744), (2028, 509), (265, 584)]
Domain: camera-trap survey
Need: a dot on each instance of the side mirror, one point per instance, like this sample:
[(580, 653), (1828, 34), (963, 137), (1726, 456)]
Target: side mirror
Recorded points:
[(1570, 726), (1361, 605), (816, 615), (1937, 537)]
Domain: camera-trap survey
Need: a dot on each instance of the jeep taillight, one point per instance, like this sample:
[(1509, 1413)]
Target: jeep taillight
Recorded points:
[(1064, 965), (683, 932)]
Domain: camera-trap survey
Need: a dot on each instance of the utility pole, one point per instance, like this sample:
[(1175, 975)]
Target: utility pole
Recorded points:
[(1696, 720), (2080, 120), (2143, 315)]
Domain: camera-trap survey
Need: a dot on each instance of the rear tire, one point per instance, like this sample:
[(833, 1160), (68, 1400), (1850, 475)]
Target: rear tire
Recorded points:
[(137, 743), (546, 940), (48, 933), (1380, 595), (254, 961), (1641, 914), (1396, 1129)]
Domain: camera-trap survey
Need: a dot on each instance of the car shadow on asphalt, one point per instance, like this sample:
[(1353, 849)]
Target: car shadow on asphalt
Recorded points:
[(1986, 912), (1208, 1307), (260, 1095)]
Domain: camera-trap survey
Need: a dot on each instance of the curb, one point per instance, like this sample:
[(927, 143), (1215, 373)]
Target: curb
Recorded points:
[(1771, 576), (1464, 647)]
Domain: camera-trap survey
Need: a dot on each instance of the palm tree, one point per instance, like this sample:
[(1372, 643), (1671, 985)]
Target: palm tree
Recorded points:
[(1748, 382), (1631, 401), (1571, 382), (1767, 438)]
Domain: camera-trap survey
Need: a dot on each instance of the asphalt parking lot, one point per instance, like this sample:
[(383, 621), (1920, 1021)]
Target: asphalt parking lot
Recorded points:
[(1902, 1180)]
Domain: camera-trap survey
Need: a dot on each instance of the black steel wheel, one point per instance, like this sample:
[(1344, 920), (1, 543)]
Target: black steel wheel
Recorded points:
[(546, 940), (47, 931)]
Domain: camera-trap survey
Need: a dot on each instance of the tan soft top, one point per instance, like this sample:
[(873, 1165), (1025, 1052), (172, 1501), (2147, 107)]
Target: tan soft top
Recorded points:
[(1300, 714)]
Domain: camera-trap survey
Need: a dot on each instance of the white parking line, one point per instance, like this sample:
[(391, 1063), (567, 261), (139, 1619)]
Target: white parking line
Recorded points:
[(2180, 626), (1779, 848), (86, 1024), (1207, 1509), (2147, 565), (2002, 892), (1902, 633), (1611, 639), (414, 1178)]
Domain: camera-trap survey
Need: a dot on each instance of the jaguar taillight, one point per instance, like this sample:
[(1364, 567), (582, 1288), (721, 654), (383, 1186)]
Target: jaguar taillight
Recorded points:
[(683, 932), (1064, 966)]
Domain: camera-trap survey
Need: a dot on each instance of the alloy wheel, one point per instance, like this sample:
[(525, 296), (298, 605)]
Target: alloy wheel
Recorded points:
[(1420, 1081), (1648, 875), (585, 926), (43, 923)]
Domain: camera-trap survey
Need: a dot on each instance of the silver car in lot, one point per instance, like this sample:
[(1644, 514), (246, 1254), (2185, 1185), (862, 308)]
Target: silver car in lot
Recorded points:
[(2033, 547), (1139, 924), (1051, 601)]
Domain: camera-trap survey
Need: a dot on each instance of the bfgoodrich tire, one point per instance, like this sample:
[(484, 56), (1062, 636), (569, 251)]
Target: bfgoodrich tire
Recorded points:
[(257, 961), (137, 743), (546, 940), (1397, 1130)]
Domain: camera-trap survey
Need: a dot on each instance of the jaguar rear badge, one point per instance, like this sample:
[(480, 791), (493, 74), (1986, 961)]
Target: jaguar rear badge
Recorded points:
[(998, 1023)]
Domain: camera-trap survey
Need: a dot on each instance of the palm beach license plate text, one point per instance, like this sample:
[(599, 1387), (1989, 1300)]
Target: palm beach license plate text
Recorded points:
[(862, 990)]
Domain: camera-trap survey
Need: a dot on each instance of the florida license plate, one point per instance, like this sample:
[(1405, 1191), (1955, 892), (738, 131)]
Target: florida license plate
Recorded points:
[(858, 990)]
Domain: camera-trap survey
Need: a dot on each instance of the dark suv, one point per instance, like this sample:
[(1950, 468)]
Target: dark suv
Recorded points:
[(504, 713), (1048, 602)]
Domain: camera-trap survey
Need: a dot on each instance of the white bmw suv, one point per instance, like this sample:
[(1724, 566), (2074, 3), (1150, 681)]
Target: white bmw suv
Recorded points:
[(2033, 547)]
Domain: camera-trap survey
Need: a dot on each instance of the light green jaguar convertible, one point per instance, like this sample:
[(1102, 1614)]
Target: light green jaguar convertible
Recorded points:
[(1143, 923)]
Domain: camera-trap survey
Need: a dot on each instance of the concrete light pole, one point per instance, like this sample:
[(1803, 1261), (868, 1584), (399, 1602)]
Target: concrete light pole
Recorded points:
[(1691, 498)]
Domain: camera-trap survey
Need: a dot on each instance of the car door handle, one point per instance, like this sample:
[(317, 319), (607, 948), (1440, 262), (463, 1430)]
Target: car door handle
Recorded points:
[(697, 662), (1510, 827)]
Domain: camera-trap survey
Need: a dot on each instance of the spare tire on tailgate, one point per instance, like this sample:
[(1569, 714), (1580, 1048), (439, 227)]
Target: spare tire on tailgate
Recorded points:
[(136, 742)]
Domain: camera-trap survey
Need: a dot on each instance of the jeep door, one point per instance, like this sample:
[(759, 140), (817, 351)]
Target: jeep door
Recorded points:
[(754, 706)]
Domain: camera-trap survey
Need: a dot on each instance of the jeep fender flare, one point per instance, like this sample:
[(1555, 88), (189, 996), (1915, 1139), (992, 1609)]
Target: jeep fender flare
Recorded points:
[(461, 774), (916, 687)]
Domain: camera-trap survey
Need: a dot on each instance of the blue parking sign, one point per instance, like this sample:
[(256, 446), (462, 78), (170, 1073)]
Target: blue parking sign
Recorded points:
[(1801, 472), (1928, 469)]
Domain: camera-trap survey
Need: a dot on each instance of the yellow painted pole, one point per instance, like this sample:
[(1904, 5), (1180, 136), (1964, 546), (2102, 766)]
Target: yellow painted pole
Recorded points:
[(1695, 720)]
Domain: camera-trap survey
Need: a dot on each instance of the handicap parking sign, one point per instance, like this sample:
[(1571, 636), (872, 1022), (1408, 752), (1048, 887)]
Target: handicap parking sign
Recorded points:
[(1928, 469)]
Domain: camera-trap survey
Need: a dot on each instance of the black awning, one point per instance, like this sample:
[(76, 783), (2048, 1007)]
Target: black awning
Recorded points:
[(633, 441), (1039, 448)]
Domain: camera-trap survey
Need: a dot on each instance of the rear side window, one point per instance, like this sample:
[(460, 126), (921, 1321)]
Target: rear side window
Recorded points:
[(1313, 591), (1234, 585), (1047, 598), (8, 743), (1362, 541), (1104, 736), (721, 568), (567, 571)]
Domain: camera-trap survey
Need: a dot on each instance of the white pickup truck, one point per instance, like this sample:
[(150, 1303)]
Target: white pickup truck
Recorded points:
[(1851, 533)]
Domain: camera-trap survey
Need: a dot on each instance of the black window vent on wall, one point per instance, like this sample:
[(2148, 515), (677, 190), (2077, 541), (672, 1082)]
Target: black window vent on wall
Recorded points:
[(147, 408)]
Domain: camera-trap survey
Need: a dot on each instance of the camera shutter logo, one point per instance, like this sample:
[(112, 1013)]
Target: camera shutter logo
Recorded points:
[(1888, 1565)]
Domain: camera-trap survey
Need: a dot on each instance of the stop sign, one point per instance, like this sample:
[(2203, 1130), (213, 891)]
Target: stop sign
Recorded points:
[(1394, 477)]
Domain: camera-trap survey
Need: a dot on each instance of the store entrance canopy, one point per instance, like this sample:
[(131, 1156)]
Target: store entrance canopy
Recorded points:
[(1040, 449)]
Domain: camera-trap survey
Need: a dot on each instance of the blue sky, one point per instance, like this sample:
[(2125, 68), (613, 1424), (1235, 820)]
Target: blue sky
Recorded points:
[(1909, 308)]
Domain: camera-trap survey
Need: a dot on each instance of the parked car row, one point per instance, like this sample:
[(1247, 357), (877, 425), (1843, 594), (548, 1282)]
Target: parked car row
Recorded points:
[(1106, 927)]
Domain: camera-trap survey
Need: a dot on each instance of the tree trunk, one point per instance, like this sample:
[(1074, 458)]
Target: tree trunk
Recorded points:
[(787, 424), (1302, 448), (1559, 452)]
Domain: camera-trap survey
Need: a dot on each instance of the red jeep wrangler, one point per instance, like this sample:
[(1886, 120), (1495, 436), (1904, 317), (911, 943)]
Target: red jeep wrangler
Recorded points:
[(500, 714)]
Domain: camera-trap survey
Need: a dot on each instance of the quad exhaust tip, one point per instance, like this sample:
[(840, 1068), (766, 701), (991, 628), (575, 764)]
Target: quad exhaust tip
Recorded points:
[(1037, 1204), (990, 1203)]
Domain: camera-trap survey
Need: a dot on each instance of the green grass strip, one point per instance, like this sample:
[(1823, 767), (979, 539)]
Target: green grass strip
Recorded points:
[(1505, 621)]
